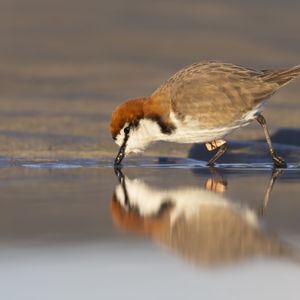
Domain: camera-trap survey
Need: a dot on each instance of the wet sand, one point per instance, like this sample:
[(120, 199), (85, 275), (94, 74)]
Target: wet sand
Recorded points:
[(65, 67)]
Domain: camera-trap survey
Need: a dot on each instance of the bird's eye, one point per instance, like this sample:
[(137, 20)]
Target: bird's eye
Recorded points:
[(126, 130)]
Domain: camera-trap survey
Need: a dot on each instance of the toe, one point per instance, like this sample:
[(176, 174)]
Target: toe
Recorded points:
[(279, 162)]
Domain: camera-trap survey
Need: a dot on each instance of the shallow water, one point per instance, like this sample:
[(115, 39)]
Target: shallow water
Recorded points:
[(74, 229), (184, 231)]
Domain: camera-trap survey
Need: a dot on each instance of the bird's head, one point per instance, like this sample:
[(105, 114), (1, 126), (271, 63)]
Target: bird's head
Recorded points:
[(128, 128)]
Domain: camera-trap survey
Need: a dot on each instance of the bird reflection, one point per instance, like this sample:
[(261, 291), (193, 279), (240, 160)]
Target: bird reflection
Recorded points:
[(201, 225)]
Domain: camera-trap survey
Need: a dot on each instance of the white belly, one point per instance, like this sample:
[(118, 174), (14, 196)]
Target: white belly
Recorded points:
[(189, 131), (186, 134)]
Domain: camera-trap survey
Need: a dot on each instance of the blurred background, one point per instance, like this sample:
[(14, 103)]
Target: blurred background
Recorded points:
[(65, 65)]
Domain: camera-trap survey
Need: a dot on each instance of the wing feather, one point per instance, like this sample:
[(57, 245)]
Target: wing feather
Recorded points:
[(216, 94)]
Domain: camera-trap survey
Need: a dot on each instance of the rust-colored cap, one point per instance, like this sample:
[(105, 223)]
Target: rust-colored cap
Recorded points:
[(127, 112)]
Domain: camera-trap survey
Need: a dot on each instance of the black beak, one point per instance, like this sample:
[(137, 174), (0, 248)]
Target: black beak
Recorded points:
[(120, 156), (121, 153)]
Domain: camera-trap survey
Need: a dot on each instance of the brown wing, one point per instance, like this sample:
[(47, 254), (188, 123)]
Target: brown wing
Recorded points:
[(217, 94)]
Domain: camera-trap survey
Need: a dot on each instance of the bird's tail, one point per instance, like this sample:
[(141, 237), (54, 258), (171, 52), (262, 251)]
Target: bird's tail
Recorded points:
[(281, 77)]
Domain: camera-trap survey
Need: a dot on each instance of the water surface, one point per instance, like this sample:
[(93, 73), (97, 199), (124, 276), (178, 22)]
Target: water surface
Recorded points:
[(73, 229)]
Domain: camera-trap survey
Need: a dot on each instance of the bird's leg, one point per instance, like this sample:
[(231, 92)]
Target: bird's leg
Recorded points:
[(221, 144), (278, 161)]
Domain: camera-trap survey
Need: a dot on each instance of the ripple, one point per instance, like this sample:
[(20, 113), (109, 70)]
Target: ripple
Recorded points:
[(144, 162)]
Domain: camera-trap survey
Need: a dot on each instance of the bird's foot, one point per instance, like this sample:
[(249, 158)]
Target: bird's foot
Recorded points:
[(210, 146), (278, 161), (210, 163)]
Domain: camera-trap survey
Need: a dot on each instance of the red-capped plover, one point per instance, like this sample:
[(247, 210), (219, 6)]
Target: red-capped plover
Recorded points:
[(201, 103)]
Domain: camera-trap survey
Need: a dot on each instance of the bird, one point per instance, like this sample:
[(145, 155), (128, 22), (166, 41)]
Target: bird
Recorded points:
[(201, 103)]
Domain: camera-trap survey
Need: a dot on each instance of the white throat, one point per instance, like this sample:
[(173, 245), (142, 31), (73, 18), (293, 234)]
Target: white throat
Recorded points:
[(140, 137)]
